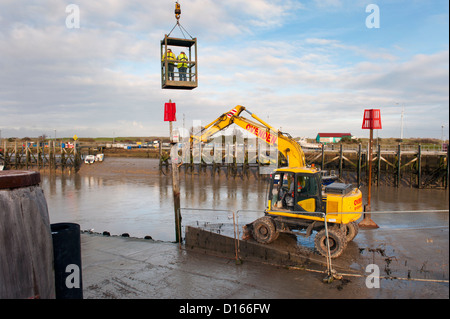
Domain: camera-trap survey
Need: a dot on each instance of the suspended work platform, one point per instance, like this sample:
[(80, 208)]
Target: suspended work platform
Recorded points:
[(179, 74)]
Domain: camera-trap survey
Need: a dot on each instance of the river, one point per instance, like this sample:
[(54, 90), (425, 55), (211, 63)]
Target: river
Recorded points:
[(138, 200)]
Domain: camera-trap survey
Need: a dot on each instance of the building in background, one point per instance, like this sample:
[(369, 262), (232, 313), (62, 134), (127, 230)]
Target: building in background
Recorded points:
[(331, 137)]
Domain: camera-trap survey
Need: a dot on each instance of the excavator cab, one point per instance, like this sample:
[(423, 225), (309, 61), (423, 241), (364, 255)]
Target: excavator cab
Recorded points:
[(296, 191)]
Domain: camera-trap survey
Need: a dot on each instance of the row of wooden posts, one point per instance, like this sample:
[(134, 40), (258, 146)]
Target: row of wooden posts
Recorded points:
[(388, 167), (385, 164), (440, 169), (30, 156)]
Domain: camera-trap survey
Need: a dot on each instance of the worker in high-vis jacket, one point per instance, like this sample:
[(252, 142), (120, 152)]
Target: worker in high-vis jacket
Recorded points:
[(170, 64), (182, 66)]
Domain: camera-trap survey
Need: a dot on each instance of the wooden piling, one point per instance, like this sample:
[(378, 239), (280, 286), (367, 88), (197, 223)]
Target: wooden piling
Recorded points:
[(448, 167), (358, 167), (176, 192), (419, 166), (378, 164), (323, 157), (340, 161), (398, 165)]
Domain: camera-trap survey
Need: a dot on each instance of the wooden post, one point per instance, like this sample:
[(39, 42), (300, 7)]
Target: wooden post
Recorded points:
[(15, 155), (175, 182), (5, 154), (63, 159), (448, 166), (27, 154), (75, 158), (54, 153), (367, 222), (160, 154), (367, 162), (398, 163), (176, 192), (419, 168), (323, 156), (340, 161), (37, 154), (378, 164), (358, 175)]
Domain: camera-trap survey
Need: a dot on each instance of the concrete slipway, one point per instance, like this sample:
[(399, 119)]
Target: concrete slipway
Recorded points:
[(413, 264)]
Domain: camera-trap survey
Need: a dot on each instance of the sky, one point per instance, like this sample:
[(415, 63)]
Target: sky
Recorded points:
[(93, 69)]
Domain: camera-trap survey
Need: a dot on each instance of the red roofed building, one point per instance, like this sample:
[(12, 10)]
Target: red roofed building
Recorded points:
[(331, 137)]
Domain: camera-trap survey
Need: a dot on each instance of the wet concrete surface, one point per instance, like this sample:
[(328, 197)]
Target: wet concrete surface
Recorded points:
[(124, 268)]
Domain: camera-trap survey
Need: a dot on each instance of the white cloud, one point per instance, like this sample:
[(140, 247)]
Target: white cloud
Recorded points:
[(104, 77)]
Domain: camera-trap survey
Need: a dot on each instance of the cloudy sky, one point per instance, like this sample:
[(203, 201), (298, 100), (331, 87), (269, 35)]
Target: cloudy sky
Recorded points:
[(304, 66)]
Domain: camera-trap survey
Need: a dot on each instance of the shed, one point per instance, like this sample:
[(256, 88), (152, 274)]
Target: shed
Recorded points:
[(331, 137)]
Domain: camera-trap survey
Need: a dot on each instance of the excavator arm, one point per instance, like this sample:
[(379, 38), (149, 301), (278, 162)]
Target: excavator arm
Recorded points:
[(286, 145)]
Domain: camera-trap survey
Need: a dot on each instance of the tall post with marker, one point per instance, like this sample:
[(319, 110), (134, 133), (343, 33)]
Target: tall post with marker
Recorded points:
[(170, 116), (371, 121)]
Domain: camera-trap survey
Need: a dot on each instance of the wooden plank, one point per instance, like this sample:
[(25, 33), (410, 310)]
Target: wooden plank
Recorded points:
[(15, 179)]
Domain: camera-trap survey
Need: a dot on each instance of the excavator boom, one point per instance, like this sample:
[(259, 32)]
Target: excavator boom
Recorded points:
[(262, 130)]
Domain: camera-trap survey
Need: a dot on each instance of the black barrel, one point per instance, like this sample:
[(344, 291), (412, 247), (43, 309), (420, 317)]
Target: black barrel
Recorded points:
[(67, 260)]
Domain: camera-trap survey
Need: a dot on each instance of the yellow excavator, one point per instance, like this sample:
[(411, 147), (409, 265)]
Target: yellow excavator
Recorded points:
[(298, 202)]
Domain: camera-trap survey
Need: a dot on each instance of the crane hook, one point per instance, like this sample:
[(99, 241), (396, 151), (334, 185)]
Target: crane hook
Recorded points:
[(177, 10)]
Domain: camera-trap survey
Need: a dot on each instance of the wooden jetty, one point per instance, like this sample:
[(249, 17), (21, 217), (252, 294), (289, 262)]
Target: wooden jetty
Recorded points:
[(402, 165), (29, 155), (399, 166)]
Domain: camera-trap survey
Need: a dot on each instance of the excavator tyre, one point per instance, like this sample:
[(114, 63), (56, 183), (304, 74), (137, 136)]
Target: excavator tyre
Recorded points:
[(264, 230), (336, 239)]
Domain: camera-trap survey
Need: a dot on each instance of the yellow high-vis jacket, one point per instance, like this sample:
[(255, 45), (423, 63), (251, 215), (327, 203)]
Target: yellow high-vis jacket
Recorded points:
[(170, 56), (182, 57)]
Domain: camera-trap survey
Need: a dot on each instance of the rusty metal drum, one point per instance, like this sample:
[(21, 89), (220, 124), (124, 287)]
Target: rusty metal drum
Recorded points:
[(26, 247)]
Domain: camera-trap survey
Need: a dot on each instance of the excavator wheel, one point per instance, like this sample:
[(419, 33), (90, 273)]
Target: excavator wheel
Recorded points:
[(264, 231), (337, 241), (351, 231)]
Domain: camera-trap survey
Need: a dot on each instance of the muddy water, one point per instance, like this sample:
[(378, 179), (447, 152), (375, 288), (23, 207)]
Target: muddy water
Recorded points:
[(131, 196)]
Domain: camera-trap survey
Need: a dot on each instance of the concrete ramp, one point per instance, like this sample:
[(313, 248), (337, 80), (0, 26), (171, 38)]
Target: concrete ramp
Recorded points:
[(408, 254), (283, 252)]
